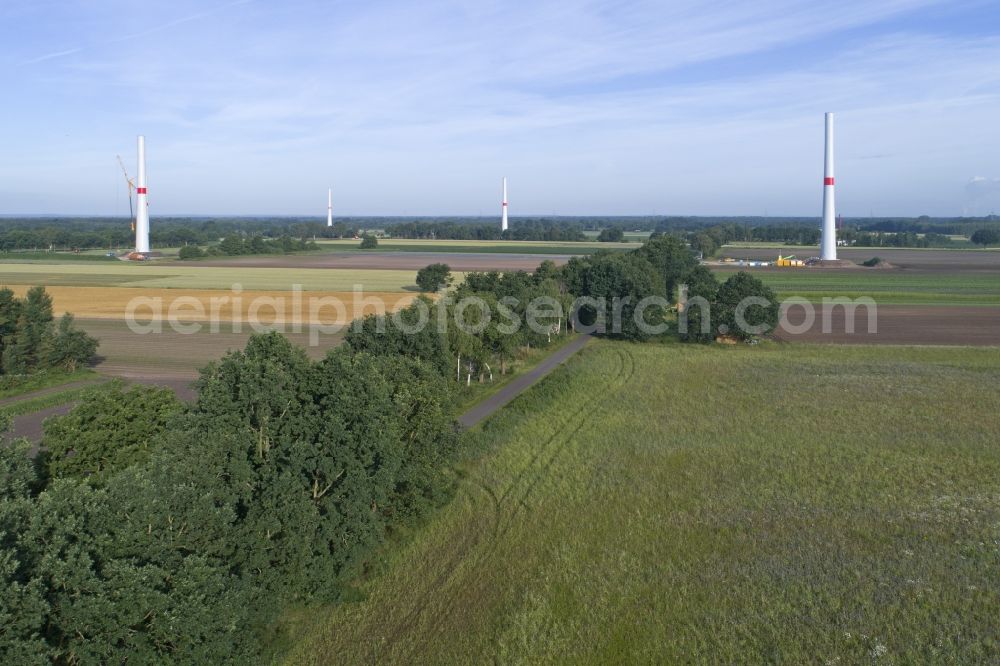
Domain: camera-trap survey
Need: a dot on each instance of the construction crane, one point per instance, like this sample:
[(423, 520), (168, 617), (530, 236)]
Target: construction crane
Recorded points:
[(131, 186)]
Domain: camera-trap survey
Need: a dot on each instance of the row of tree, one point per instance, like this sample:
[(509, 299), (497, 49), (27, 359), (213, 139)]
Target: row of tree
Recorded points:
[(469, 332), (527, 229), (239, 244), (31, 340), (115, 233)]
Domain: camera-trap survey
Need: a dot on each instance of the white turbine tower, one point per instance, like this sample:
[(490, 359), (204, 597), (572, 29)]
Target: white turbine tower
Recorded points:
[(503, 207), (142, 204), (828, 243), (329, 207)]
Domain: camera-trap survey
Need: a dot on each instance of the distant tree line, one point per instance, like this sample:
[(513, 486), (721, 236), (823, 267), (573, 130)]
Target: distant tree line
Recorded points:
[(237, 244), (111, 233), (520, 229)]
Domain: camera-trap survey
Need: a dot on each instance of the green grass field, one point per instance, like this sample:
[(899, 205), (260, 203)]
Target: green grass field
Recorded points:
[(178, 275), (682, 504), (886, 287)]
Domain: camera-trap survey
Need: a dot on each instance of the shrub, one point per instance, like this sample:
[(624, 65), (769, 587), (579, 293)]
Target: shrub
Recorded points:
[(190, 252), (368, 242)]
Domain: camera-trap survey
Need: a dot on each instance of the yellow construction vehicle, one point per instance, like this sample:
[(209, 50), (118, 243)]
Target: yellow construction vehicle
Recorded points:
[(789, 262)]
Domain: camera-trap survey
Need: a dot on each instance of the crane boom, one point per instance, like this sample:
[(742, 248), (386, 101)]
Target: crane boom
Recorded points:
[(131, 186)]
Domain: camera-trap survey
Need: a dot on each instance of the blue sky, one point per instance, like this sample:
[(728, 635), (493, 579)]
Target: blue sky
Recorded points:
[(419, 108)]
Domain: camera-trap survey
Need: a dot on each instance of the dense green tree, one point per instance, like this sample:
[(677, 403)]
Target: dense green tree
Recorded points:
[(985, 237), (611, 235), (10, 310), (434, 277), (368, 242), (623, 281), (546, 270), (705, 243), (672, 259), (31, 340), (111, 429), (695, 316), (403, 333), (232, 245), (190, 252), (70, 346), (745, 294)]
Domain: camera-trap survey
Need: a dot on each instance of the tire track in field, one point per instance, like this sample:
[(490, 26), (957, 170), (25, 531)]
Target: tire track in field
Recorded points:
[(540, 452), (624, 377), (554, 446), (472, 538)]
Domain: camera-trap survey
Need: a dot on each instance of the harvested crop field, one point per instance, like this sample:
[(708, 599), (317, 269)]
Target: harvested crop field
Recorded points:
[(171, 356), (205, 305), (900, 325), (408, 261), (193, 275)]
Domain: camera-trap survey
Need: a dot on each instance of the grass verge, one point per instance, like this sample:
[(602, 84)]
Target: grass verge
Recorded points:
[(33, 405), (12, 388)]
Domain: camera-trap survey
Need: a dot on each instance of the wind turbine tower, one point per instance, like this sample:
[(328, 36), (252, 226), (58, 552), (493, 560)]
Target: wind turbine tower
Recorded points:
[(142, 204), (828, 243), (329, 207), (503, 207)]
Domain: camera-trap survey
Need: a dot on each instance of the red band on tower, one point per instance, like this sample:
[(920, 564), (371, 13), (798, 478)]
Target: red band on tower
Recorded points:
[(828, 181), (140, 190)]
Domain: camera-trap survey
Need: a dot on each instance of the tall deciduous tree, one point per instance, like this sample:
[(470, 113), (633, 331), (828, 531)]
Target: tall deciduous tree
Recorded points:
[(746, 306), (434, 277), (696, 317), (672, 258)]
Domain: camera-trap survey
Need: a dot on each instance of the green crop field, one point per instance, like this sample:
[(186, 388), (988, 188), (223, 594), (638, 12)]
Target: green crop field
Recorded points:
[(679, 504), (884, 286), (176, 275)]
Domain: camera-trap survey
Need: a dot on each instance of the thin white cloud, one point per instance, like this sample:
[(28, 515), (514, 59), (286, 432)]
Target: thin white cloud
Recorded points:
[(50, 56)]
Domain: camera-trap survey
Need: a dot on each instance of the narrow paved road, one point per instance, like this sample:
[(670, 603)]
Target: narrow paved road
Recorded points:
[(30, 425), (520, 384)]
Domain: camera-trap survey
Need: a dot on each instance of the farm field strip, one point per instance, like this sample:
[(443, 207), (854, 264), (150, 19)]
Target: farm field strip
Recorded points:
[(196, 305), (177, 356), (884, 286), (672, 513), (176, 275)]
